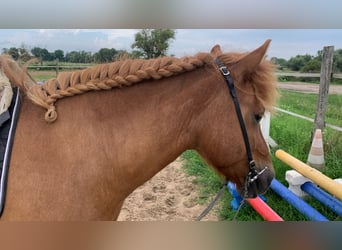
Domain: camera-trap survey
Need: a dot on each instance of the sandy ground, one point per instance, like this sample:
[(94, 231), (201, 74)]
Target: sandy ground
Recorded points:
[(309, 88), (168, 196)]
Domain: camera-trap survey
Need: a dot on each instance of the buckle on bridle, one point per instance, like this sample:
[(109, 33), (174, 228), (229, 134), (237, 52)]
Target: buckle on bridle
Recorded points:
[(251, 177), (224, 70), (254, 176), (252, 165)]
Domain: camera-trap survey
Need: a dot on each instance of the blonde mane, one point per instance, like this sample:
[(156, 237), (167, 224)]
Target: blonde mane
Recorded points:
[(128, 72), (102, 77)]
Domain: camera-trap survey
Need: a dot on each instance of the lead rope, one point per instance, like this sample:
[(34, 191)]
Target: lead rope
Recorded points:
[(244, 198), (212, 203), (238, 210), (217, 197)]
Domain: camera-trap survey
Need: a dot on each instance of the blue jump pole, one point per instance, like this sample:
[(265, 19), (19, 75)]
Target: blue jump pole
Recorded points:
[(322, 196), (296, 202)]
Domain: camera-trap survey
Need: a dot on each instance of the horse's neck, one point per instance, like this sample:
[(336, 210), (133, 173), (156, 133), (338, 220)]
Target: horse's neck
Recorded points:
[(132, 133), (181, 103), (166, 123)]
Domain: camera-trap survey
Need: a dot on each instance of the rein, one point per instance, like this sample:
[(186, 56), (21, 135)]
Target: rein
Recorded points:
[(253, 174)]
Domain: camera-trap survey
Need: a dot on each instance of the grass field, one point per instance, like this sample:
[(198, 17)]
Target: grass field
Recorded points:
[(292, 135), (42, 75)]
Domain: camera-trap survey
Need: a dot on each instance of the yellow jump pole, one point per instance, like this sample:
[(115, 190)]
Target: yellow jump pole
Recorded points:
[(313, 174)]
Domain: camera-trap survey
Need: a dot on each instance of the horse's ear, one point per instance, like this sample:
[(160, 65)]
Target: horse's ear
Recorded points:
[(216, 51), (250, 62)]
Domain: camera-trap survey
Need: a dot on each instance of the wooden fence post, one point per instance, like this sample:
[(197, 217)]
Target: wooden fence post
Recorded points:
[(326, 72), (57, 67)]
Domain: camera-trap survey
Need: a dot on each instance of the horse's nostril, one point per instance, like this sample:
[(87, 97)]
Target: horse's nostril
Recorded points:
[(265, 180), (260, 182)]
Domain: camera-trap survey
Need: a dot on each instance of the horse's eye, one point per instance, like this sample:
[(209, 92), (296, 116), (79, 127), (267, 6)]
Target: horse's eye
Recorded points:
[(258, 117)]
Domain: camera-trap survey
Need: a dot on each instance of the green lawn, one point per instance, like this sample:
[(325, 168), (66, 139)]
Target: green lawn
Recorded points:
[(305, 104), (292, 135)]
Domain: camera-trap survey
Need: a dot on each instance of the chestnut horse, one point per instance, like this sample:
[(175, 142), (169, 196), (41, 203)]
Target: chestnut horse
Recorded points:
[(82, 164)]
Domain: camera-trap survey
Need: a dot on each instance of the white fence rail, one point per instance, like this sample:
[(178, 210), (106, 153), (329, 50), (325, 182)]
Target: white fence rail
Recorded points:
[(266, 123), (308, 119), (315, 75)]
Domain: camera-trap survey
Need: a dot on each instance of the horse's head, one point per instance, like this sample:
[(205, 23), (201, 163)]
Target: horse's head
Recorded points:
[(225, 147)]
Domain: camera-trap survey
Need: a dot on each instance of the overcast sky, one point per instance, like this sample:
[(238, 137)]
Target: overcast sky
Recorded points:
[(285, 42)]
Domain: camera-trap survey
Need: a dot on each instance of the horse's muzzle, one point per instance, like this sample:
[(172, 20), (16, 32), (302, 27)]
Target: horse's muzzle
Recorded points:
[(259, 185)]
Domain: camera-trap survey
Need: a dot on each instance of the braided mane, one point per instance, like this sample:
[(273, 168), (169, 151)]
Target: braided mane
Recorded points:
[(128, 72), (105, 77)]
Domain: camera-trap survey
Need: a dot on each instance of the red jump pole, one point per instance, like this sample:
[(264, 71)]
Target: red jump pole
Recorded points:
[(263, 209)]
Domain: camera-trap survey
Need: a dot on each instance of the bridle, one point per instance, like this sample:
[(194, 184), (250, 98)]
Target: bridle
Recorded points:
[(253, 174)]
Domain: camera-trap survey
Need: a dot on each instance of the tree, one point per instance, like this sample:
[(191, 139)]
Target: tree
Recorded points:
[(313, 65), (59, 55), (297, 62), (137, 54), (73, 56), (281, 63), (122, 54), (338, 60), (85, 57), (105, 55), (14, 52), (24, 55), (79, 57), (18, 53), (42, 54), (153, 43)]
